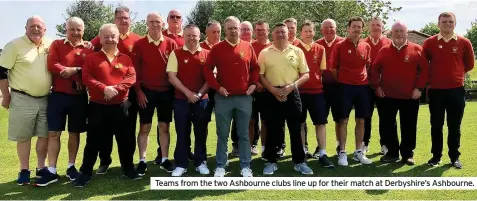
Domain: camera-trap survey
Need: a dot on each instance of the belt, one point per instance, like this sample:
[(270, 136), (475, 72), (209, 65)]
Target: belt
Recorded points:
[(25, 93)]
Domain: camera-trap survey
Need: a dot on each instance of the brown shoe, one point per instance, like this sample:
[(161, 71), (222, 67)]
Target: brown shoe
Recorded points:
[(408, 161)]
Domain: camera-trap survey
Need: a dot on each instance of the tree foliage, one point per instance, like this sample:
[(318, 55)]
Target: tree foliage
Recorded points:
[(139, 28), (276, 11), (472, 35), (93, 13), (430, 29)]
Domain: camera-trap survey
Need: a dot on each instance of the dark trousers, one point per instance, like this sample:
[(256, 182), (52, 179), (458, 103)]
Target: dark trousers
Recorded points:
[(451, 101), (408, 111), (276, 113), (373, 100), (104, 121), (131, 121), (186, 114)]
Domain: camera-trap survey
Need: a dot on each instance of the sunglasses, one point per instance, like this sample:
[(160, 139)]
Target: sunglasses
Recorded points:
[(175, 17)]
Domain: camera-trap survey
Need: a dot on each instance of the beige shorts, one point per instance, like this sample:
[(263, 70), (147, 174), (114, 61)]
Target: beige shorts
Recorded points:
[(27, 117)]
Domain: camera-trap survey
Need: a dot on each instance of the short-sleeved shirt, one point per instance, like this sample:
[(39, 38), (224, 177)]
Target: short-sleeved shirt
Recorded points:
[(282, 67), (27, 66)]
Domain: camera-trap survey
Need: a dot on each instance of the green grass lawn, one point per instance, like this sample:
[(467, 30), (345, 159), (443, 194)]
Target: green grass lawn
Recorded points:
[(473, 72), (113, 186)]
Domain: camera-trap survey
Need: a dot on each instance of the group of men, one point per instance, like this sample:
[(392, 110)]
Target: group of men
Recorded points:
[(240, 78)]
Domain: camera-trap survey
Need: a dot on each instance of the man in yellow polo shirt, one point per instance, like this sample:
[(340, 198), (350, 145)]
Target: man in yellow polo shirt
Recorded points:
[(23, 62), (283, 69)]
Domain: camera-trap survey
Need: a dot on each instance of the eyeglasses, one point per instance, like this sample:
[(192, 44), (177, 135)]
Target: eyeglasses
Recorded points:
[(122, 18), (175, 17)]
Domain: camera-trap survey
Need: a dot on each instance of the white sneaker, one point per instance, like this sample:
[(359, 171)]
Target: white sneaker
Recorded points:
[(360, 157), (364, 148), (246, 172), (384, 149), (342, 159), (202, 169), (178, 172), (219, 172)]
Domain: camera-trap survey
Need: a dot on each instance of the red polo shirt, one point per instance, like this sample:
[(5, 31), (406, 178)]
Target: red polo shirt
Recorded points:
[(448, 61), (399, 72), (99, 72), (125, 46), (205, 45), (375, 47), (179, 39), (351, 62), (62, 54), (327, 76), (236, 65), (258, 47), (314, 58), (150, 62)]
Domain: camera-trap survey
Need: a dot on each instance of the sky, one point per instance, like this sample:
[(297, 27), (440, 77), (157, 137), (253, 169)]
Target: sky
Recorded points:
[(13, 14)]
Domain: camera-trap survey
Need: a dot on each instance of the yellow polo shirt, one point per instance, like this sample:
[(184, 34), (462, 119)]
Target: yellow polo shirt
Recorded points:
[(282, 67), (26, 63)]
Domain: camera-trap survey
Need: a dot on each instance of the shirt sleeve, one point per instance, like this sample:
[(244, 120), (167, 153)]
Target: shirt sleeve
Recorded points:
[(323, 61), (469, 58), (88, 78), (261, 62), (172, 64), (8, 56), (209, 66), (254, 68), (376, 70), (302, 65), (53, 62)]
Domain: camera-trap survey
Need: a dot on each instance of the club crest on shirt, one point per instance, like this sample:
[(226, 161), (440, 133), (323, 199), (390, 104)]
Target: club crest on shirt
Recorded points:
[(202, 60), (167, 54), (242, 54), (291, 58), (440, 46), (349, 51), (119, 65), (130, 48), (406, 59), (186, 60), (46, 51), (78, 53), (315, 59), (454, 49)]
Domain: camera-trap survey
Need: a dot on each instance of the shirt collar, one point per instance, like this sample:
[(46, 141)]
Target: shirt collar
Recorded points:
[(331, 42), (232, 43), (187, 49), (307, 46), (115, 52), (123, 36), (32, 43), (440, 36), (208, 43), (156, 42), (170, 33), (397, 47), (273, 47), (68, 41), (377, 40)]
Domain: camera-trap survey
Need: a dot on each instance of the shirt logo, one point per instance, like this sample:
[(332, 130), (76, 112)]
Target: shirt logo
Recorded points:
[(349, 51), (406, 59), (315, 59), (186, 60), (242, 54), (291, 59), (78, 53), (118, 66), (440, 46), (454, 49), (130, 48), (202, 60)]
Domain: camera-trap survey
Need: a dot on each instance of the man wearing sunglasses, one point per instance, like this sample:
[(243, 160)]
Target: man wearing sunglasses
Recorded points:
[(174, 27)]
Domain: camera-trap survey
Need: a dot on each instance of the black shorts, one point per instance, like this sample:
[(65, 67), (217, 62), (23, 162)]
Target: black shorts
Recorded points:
[(61, 106), (160, 101), (356, 96), (315, 104), (330, 91)]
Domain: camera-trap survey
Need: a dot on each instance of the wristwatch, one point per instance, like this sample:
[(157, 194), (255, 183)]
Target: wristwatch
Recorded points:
[(199, 94)]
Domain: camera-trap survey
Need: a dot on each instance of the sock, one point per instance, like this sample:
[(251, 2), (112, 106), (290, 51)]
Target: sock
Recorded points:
[(144, 160), (52, 170), (263, 149), (337, 143), (322, 152), (164, 159), (70, 164), (304, 149)]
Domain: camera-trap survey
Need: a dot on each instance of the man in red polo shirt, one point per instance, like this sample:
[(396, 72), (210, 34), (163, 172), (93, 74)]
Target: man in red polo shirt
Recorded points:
[(292, 25), (68, 98), (153, 90), (185, 70), (174, 27), (329, 40), (125, 46), (399, 74), (450, 57), (108, 75), (237, 78), (376, 41), (311, 92), (350, 60), (212, 33)]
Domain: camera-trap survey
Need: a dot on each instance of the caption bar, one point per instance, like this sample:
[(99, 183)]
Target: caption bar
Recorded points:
[(314, 183)]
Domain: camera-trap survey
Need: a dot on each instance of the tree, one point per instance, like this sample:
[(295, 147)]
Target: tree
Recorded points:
[(139, 28), (472, 35), (201, 14), (93, 13), (430, 29)]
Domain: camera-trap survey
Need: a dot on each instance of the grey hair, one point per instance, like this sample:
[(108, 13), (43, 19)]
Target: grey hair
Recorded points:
[(291, 19), (108, 26), (154, 13), (76, 20), (332, 21), (248, 24), (230, 18), (399, 23)]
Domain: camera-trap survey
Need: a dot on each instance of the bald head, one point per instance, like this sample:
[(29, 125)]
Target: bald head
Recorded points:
[(174, 21), (399, 33), (35, 29)]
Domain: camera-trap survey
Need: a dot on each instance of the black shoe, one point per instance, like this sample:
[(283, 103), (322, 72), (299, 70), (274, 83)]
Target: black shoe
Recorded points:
[(316, 154), (23, 177), (408, 161), (141, 168), (158, 160), (167, 166), (102, 169), (308, 155), (326, 162), (388, 159), (190, 156), (280, 152), (81, 180), (47, 179), (72, 173), (41, 172), (434, 161), (133, 174), (457, 164), (263, 157)]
